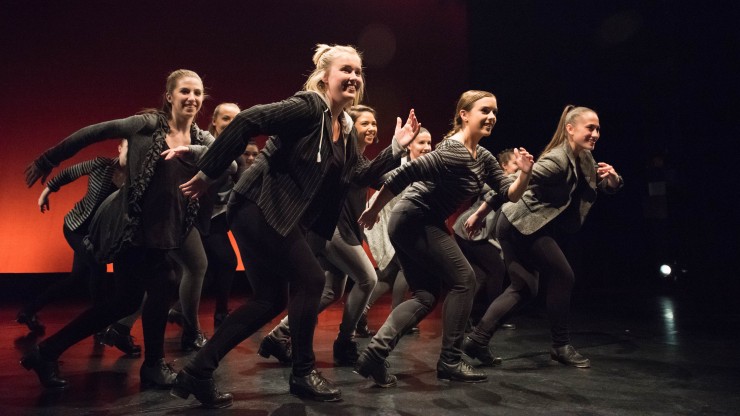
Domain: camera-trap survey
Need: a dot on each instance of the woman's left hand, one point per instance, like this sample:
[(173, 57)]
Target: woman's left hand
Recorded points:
[(607, 172), (404, 135), (524, 161), (369, 218), (178, 151)]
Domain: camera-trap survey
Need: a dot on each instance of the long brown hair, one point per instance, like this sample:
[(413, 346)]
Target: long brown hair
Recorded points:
[(172, 78), (570, 113), (466, 102)]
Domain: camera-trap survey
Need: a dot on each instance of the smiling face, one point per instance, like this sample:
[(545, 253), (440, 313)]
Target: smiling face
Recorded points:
[(367, 128), (583, 132), (186, 98), (250, 153), (224, 115), (421, 145), (481, 118), (343, 80)]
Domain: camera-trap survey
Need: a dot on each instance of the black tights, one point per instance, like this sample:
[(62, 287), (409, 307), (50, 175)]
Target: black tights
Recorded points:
[(282, 271), (525, 257), (137, 270), (221, 260)]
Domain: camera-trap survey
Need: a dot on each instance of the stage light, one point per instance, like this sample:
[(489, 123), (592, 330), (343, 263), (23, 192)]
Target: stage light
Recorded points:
[(665, 270)]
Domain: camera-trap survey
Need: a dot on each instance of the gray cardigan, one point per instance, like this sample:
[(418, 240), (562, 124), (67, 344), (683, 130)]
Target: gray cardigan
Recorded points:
[(554, 179)]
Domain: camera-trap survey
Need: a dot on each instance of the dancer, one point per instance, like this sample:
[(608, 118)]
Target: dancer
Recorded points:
[(390, 274), (440, 182), (137, 226), (532, 230), (298, 182), (342, 256)]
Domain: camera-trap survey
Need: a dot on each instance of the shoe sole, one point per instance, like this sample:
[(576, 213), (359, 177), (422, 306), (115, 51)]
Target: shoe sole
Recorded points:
[(584, 365), (382, 385), (303, 395), (184, 394), (447, 378)]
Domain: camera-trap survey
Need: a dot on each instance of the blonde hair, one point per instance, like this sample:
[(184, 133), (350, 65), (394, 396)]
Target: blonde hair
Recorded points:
[(466, 102), (569, 115), (212, 128), (323, 58)]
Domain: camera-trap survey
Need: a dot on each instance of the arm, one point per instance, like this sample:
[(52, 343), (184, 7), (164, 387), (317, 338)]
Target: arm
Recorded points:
[(524, 161), (122, 128), (372, 214), (611, 181), (44, 200), (67, 176)]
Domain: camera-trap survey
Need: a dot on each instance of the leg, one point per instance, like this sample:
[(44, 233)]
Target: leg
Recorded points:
[(192, 259), (222, 263)]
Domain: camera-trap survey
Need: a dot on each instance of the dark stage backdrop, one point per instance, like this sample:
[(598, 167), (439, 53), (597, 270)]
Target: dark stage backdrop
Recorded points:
[(70, 64)]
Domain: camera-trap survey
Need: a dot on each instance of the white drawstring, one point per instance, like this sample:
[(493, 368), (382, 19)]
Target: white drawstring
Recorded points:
[(321, 139)]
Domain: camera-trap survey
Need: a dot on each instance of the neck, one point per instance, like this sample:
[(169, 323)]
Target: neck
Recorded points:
[(469, 140), (181, 124), (576, 150)]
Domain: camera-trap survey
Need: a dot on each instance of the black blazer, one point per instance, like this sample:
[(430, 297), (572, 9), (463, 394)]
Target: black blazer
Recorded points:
[(288, 172)]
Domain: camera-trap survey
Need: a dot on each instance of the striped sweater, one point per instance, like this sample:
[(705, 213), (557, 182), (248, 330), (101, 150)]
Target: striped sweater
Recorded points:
[(99, 185), (448, 176)]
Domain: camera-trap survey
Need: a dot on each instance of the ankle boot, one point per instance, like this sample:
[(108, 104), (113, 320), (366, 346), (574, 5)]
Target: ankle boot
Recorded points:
[(175, 317), (314, 386), (278, 348), (368, 367), (119, 336), (569, 356), (362, 330), (345, 353), (159, 376), (31, 320), (203, 389), (46, 370), (460, 371), (480, 352), (192, 341)]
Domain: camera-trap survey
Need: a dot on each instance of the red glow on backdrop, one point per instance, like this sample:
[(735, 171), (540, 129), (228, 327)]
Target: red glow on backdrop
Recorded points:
[(72, 65)]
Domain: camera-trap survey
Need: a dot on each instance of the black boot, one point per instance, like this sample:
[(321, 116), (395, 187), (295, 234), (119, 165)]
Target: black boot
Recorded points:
[(175, 317), (31, 321), (46, 370), (159, 376), (219, 318), (203, 390), (119, 336), (368, 367), (345, 353), (460, 371), (314, 386), (480, 352), (362, 330), (192, 340), (569, 356), (276, 347)]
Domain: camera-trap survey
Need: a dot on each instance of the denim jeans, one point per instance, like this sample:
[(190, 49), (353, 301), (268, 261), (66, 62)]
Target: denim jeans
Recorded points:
[(431, 260)]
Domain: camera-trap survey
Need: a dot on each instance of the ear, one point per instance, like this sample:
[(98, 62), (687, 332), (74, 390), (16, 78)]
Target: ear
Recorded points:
[(569, 128), (169, 97), (463, 115), (325, 77)]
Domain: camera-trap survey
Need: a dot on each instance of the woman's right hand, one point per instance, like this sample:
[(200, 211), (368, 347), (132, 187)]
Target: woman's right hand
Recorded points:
[(44, 200), (33, 173)]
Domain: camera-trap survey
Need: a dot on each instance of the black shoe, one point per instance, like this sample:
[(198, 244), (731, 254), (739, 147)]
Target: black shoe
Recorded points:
[(193, 341), (378, 370), (276, 347), (31, 321), (508, 326), (175, 317), (119, 336), (345, 353), (219, 318), (314, 386), (362, 330), (46, 370), (158, 376), (203, 390), (569, 356), (480, 352), (460, 371)]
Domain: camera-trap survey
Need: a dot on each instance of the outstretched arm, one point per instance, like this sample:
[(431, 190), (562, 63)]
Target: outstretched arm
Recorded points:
[(370, 217), (44, 200)]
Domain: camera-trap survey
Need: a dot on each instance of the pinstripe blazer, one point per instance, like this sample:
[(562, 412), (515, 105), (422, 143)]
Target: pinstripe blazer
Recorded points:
[(554, 178), (287, 174)]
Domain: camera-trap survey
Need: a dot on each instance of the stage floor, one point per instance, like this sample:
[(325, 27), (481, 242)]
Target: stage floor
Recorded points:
[(652, 355)]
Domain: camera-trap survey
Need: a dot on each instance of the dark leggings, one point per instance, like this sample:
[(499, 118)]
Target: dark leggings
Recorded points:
[(525, 257), (283, 271), (85, 274), (489, 270), (221, 260), (430, 259), (137, 270)]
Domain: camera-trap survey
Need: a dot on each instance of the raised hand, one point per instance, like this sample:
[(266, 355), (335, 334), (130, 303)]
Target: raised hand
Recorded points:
[(406, 133), (523, 159), (33, 172)]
